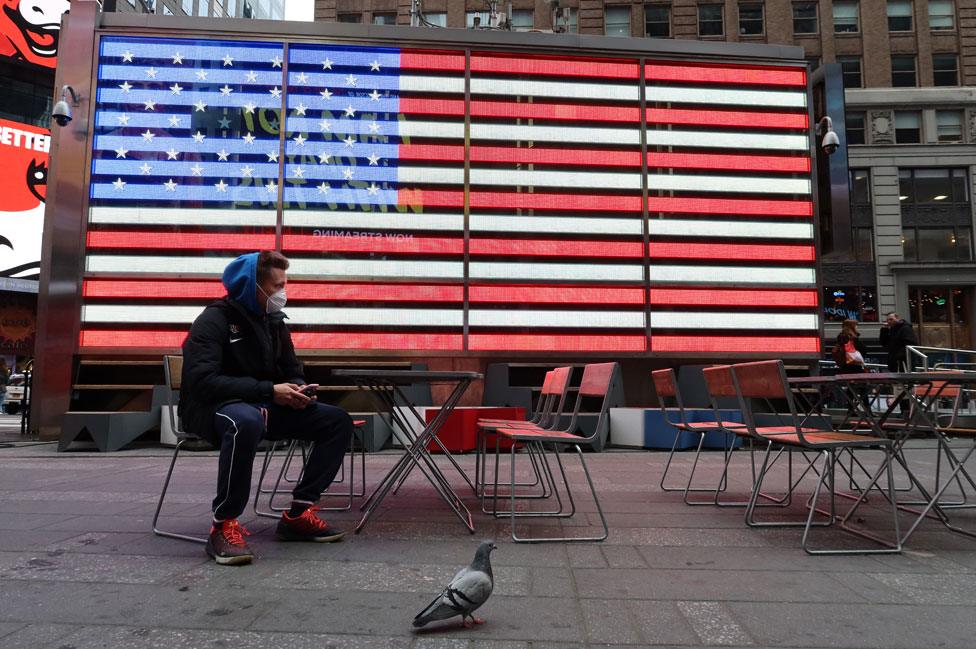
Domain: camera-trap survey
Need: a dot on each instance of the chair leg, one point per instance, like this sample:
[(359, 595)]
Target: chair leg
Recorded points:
[(162, 496), (791, 485), (540, 465)]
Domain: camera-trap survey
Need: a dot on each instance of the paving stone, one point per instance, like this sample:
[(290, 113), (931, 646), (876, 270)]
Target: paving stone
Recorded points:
[(56, 565), (713, 624), (146, 638), (37, 636)]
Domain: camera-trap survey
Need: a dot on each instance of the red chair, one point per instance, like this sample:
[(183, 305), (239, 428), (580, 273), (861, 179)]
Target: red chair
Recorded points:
[(766, 381), (666, 386), (596, 382)]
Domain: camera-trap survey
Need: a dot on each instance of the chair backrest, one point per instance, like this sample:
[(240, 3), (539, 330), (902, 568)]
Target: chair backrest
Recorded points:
[(718, 381), (765, 380), (173, 369), (666, 387), (560, 390), (596, 382)]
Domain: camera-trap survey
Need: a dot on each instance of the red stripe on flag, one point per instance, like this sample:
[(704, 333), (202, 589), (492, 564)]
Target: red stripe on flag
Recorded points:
[(179, 240), (555, 343), (738, 206), (374, 292), (557, 248), (729, 118), (375, 340), (553, 66), (733, 297), (430, 106), (725, 74), (125, 288), (421, 60), (763, 345), (526, 294), (130, 339), (514, 155), (379, 244), (739, 162), (520, 201), (724, 251)]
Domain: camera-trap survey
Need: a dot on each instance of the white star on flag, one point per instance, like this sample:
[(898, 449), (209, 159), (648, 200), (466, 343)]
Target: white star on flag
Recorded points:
[(172, 154), (202, 75), (299, 172), (249, 107), (349, 140), (222, 155), (174, 121), (374, 160), (273, 123), (299, 140), (350, 111), (228, 60), (272, 156), (251, 76), (176, 88), (127, 56), (120, 152), (198, 137), (323, 188), (200, 106), (246, 171), (271, 187), (348, 174), (119, 184), (170, 185), (327, 64), (375, 95), (145, 168), (221, 186), (123, 119), (150, 104), (374, 127), (226, 90), (374, 66), (373, 189), (223, 122), (326, 94), (148, 135), (275, 92), (325, 125), (197, 169), (248, 138), (302, 78), (276, 61), (324, 158), (125, 86), (177, 59), (351, 80), (151, 73), (300, 109)]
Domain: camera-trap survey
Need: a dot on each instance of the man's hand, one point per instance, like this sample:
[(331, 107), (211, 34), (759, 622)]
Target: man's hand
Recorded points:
[(290, 394)]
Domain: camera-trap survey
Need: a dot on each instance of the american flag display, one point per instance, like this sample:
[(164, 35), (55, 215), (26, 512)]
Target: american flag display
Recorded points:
[(479, 201)]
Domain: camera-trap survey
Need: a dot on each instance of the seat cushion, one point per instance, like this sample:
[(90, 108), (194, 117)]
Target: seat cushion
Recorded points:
[(538, 435)]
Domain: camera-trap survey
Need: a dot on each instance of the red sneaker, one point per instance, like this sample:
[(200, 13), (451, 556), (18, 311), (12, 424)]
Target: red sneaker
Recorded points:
[(226, 544), (307, 527)]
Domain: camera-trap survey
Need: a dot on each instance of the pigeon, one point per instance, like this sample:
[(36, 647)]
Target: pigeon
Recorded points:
[(469, 589)]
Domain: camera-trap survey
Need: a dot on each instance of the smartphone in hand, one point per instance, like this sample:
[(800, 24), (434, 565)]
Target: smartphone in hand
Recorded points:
[(310, 389)]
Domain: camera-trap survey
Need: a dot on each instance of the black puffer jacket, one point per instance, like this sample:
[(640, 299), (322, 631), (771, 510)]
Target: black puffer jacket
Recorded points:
[(895, 339), (231, 355)]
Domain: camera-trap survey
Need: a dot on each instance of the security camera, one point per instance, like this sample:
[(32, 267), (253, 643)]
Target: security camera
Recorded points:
[(830, 142), (61, 113), (62, 110)]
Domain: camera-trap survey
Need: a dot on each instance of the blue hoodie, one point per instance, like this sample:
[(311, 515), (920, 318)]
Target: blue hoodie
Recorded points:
[(240, 280)]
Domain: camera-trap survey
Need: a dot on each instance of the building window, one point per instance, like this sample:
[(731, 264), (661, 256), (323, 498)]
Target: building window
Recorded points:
[(187, 7), (845, 17), (899, 15), (942, 315), (568, 20), (384, 18), (710, 21), (942, 15), (932, 186), (860, 181), (657, 21), (908, 127), (937, 244), (522, 20), (805, 18), (351, 18), (948, 125), (616, 21), (851, 68), (482, 17), (903, 71), (854, 122), (945, 70), (751, 19), (863, 243), (436, 18), (850, 303)]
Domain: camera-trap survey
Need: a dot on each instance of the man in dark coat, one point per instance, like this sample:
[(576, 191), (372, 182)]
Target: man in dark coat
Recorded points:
[(896, 335), (242, 383)]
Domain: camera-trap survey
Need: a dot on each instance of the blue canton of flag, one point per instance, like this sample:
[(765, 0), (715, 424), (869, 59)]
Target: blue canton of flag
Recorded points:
[(187, 123)]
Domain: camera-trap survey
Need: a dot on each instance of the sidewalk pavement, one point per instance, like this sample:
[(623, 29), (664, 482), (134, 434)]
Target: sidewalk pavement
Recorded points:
[(80, 569)]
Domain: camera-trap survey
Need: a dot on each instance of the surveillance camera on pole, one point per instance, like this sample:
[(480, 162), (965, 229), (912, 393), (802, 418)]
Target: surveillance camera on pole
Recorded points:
[(830, 141), (61, 113)]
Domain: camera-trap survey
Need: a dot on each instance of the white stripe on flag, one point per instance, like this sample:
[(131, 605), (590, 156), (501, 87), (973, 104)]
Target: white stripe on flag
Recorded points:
[(355, 268), (554, 224), (752, 229), (732, 275), (157, 265), (373, 220), (718, 140), (736, 96), (758, 321), (566, 89), (578, 134), (554, 271), (536, 178), (344, 316), (563, 319), (446, 130), (182, 216), (729, 184), (411, 83)]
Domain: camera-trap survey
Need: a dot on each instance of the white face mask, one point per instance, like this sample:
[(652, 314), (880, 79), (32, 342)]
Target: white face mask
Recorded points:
[(276, 301)]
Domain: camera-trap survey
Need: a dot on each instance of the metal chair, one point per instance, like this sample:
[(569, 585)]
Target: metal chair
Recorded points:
[(173, 369), (766, 381), (596, 382)]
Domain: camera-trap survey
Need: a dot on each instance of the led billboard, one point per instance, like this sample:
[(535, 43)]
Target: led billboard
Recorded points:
[(23, 187)]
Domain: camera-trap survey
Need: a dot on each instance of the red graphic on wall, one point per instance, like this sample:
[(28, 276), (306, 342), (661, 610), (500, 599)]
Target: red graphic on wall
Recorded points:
[(23, 188), (29, 30)]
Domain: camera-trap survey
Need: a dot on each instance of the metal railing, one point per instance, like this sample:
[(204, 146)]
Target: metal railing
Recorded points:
[(945, 357)]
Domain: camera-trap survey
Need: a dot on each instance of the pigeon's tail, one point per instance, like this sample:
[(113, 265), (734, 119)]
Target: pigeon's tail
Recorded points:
[(420, 621)]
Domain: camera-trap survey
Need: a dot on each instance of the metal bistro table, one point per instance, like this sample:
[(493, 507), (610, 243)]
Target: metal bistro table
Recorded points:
[(384, 386), (923, 389)]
